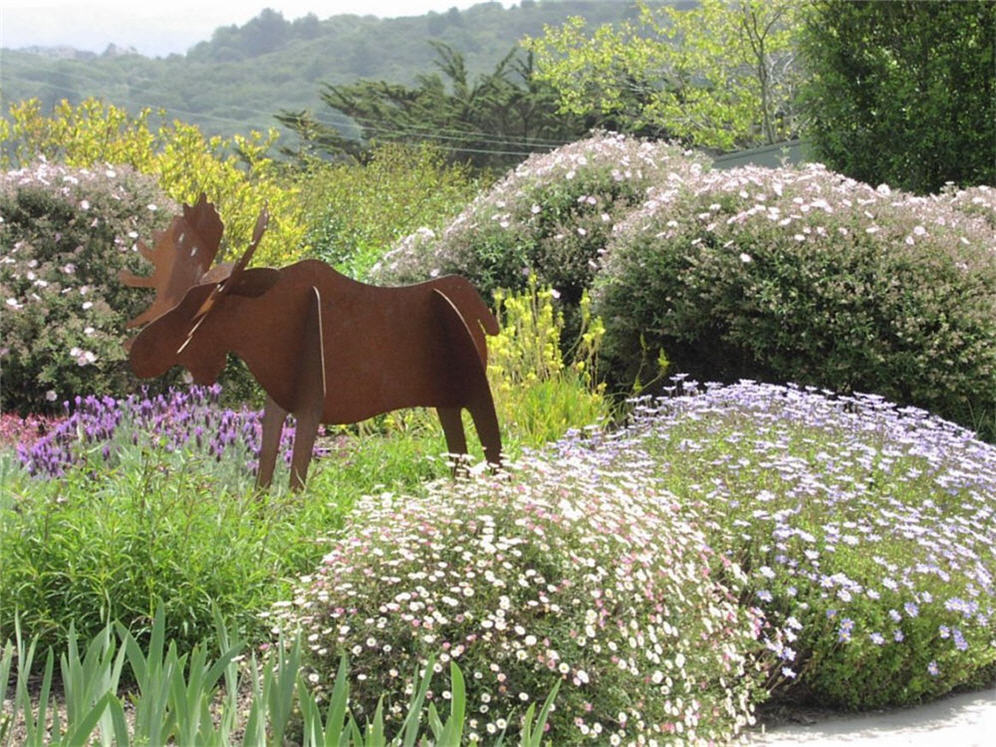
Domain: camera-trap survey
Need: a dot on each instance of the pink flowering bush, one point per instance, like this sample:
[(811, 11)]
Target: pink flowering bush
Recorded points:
[(804, 275), (562, 571), (64, 235), (550, 216), (974, 201)]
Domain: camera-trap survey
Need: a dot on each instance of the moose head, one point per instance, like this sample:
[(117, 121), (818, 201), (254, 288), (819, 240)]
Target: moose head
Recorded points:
[(324, 347)]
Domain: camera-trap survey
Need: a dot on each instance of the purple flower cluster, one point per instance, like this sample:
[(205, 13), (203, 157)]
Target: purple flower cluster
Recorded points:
[(99, 428), (869, 525)]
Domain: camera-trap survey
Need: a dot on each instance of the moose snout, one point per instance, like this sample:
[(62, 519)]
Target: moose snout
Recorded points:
[(146, 356)]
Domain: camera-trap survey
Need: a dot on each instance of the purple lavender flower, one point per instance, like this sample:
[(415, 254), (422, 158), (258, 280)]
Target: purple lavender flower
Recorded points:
[(176, 420)]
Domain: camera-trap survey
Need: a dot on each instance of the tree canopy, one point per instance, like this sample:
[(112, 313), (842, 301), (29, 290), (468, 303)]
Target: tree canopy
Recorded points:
[(903, 92), (495, 119), (717, 74)]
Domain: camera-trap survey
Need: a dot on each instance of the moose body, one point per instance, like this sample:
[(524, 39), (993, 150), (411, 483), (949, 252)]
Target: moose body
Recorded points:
[(329, 349)]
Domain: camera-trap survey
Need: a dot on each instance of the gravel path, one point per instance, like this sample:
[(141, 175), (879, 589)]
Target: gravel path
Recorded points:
[(963, 720)]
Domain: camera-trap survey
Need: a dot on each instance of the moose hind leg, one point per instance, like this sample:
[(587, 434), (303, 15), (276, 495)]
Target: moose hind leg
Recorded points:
[(456, 439), (273, 424), (486, 424)]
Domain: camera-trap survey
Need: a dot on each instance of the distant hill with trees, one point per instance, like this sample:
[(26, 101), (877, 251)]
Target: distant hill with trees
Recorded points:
[(244, 75)]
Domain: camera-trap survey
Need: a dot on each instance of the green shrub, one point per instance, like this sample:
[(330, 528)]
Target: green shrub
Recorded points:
[(550, 217), (901, 92), (355, 211), (564, 572), (866, 531), (65, 234), (806, 276)]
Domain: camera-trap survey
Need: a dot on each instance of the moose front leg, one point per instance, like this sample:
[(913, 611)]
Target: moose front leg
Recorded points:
[(273, 425), (310, 392)]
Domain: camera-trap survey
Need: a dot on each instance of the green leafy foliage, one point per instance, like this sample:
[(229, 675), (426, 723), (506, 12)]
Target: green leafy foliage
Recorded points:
[(493, 121), (65, 234), (713, 75), (540, 391), (237, 175), (355, 210), (806, 276), (902, 92)]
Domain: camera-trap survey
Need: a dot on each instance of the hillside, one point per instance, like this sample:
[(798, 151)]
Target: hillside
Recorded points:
[(244, 75)]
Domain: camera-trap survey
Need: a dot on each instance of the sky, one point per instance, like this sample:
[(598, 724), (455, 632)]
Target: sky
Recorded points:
[(163, 27)]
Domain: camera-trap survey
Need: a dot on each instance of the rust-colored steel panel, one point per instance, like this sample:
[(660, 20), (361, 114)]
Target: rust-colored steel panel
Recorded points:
[(325, 348)]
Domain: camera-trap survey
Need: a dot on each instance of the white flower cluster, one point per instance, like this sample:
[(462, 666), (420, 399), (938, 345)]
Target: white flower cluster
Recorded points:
[(560, 570)]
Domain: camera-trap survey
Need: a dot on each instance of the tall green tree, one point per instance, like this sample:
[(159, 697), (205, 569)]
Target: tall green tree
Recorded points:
[(720, 74), (903, 92), (494, 120)]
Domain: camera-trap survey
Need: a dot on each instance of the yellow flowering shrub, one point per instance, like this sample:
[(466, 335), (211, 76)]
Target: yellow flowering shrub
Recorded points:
[(536, 393), (236, 174)]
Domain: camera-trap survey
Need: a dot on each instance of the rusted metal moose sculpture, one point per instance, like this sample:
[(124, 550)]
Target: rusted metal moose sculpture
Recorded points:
[(324, 347)]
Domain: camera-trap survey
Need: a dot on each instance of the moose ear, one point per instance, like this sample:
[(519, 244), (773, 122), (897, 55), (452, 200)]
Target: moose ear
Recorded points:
[(255, 282), (217, 273)]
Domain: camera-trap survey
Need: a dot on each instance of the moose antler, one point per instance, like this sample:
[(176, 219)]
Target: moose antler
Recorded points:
[(226, 284), (182, 256)]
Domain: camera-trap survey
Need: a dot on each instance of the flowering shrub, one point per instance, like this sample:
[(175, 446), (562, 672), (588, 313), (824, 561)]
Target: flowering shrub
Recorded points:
[(974, 201), (551, 216), (96, 430), (65, 234), (867, 531), (562, 571), (803, 275), (538, 396), (236, 174)]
